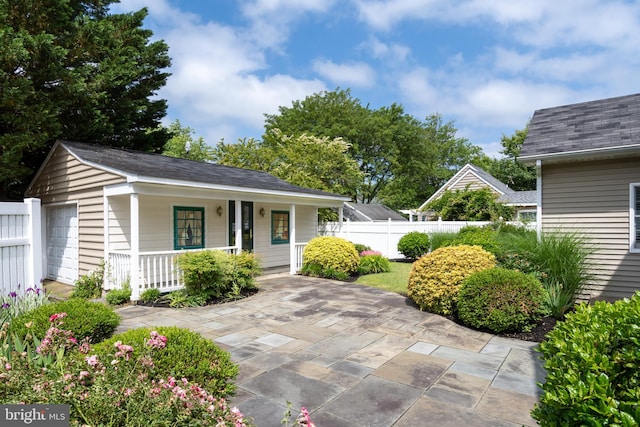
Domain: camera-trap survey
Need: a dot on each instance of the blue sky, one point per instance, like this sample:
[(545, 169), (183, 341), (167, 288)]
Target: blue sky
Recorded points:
[(486, 65)]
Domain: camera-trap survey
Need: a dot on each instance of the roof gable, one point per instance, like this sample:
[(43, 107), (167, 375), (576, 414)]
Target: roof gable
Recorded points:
[(474, 173), (594, 128), (139, 166)]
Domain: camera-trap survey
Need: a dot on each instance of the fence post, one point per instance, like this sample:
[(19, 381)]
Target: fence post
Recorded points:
[(33, 274), (388, 254)]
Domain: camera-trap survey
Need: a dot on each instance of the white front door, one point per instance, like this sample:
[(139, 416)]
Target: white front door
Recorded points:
[(62, 243)]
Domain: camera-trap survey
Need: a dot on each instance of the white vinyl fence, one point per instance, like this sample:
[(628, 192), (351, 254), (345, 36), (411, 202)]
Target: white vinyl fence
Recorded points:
[(384, 236), (20, 245)]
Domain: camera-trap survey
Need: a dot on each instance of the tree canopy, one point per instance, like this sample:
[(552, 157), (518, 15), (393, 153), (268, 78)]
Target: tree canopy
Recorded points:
[(470, 205), (402, 160), (72, 70), (183, 145), (507, 169)]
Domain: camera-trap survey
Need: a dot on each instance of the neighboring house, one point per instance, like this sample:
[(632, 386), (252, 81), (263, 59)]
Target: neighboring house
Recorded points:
[(370, 212), (587, 157), (156, 207), (471, 177)]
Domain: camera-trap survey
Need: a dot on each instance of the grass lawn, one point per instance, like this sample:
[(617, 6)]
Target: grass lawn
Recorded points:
[(395, 281)]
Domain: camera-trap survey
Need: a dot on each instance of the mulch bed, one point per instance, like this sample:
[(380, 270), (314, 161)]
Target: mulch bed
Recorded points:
[(164, 302), (536, 334)]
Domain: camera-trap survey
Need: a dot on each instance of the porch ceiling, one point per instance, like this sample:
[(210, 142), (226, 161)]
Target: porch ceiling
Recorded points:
[(185, 190)]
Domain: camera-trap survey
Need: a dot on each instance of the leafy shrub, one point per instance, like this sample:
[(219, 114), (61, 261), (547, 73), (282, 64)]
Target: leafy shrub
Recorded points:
[(315, 270), (478, 236), (119, 296), (592, 363), (560, 260), (218, 273), (372, 264), (89, 285), (441, 239), (470, 205), (414, 244), (327, 254), (187, 354), (361, 247), (183, 298), (115, 389), (94, 320), (500, 300), (150, 295), (14, 304), (434, 278)]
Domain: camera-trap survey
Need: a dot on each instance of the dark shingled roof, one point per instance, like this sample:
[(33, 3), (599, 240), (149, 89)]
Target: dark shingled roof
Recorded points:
[(370, 212), (130, 162), (607, 124), (520, 198)]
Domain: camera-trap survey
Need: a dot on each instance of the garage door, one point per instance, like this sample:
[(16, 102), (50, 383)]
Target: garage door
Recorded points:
[(62, 243)]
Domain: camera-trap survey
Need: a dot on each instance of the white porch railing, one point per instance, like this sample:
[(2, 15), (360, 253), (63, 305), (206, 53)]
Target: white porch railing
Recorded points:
[(299, 248), (156, 269)]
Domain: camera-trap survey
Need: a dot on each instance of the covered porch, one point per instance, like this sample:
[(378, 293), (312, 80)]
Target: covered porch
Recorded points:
[(147, 226)]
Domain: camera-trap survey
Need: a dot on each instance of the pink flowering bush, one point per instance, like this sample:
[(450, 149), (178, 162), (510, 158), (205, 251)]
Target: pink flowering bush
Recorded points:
[(115, 389)]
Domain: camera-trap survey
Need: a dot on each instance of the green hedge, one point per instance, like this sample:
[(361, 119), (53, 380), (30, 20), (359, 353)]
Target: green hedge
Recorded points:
[(592, 361), (84, 318)]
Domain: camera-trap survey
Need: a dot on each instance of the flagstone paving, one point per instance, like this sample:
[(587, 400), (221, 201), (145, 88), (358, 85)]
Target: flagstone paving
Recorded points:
[(355, 355)]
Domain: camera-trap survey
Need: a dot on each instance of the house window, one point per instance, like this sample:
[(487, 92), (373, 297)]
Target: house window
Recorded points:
[(279, 227), (634, 222), (188, 228)]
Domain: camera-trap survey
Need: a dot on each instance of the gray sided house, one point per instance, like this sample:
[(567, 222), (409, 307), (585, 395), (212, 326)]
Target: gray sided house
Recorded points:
[(588, 165), (138, 211), (370, 212), (471, 177)]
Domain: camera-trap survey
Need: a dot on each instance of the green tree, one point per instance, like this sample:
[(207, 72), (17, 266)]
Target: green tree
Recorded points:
[(470, 205), (304, 160), (507, 169), (72, 70), (183, 145), (403, 160), (427, 163)]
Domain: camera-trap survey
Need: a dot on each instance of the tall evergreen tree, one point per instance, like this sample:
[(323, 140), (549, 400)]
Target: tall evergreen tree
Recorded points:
[(69, 69)]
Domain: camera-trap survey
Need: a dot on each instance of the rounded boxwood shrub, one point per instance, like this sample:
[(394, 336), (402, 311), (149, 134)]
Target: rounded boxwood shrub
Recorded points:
[(434, 278), (501, 300), (592, 361), (414, 244), (327, 255), (94, 320), (187, 354)]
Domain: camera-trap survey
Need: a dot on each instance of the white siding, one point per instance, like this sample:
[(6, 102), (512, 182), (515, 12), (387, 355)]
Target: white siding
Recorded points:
[(593, 198)]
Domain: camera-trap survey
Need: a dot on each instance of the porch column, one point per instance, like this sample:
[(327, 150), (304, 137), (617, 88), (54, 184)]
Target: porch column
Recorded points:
[(35, 271), (105, 220), (134, 277), (340, 219), (238, 230), (293, 250)]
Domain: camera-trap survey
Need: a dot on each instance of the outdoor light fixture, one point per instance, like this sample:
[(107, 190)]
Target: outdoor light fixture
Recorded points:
[(262, 212), (219, 211)]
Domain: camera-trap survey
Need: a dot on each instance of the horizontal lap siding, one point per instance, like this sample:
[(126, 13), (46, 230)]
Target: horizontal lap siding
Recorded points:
[(471, 180), (65, 179), (593, 198)]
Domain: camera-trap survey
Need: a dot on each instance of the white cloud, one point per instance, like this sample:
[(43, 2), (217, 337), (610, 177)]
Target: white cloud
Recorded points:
[(356, 74), (392, 51)]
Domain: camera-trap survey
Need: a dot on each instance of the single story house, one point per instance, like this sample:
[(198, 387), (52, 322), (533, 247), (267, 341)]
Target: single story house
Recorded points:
[(471, 177), (370, 212), (587, 157), (138, 211)]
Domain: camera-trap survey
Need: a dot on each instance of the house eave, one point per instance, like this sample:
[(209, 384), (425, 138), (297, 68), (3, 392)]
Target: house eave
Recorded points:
[(581, 155)]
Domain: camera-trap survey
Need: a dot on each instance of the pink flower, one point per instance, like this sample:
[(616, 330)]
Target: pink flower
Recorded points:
[(92, 360), (7, 366), (157, 340), (57, 316)]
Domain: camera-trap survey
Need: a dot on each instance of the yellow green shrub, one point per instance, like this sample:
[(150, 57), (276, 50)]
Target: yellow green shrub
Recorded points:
[(329, 256), (435, 278)]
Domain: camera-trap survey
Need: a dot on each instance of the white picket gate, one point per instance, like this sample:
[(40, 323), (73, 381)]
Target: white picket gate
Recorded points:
[(20, 245)]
